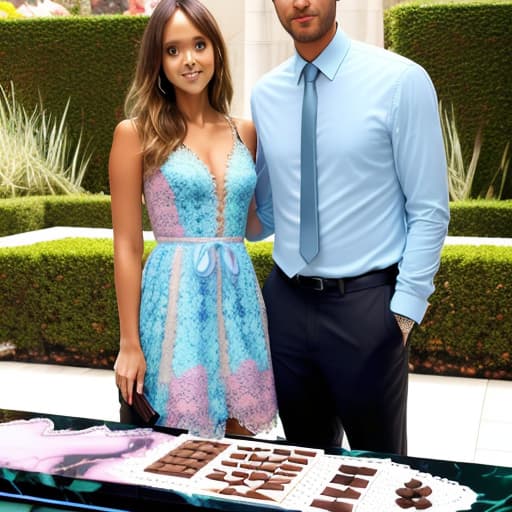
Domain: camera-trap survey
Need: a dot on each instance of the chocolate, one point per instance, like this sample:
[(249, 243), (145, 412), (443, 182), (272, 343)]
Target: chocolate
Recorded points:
[(277, 458), (339, 493), (272, 486), (249, 466), (185, 452), (332, 506), (290, 467), (240, 474), (256, 495), (305, 453), (424, 491), (276, 477), (259, 475), (229, 491), (279, 451), (188, 458), (405, 492), (285, 473), (422, 504), (238, 456), (361, 483), (268, 466), (216, 476), (413, 484), (258, 458), (297, 460), (342, 479), (366, 471), (349, 470), (404, 503), (229, 463)]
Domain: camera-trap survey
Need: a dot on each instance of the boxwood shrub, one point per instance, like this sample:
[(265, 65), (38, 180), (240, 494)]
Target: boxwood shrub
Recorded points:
[(60, 295)]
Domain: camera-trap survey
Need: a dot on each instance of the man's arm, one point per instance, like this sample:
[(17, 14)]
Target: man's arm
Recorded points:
[(420, 164), (263, 194)]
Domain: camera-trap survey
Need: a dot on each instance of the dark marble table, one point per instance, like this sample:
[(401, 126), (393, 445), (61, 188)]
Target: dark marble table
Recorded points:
[(67, 491)]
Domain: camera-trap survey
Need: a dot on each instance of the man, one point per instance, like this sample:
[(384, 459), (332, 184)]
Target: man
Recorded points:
[(341, 306)]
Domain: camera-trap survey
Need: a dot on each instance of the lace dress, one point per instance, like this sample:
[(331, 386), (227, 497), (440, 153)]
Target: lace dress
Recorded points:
[(202, 318)]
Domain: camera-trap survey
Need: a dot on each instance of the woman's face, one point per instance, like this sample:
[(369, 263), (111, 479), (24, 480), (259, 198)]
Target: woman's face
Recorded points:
[(187, 55)]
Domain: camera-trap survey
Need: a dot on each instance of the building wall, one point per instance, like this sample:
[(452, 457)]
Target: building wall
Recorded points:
[(257, 42)]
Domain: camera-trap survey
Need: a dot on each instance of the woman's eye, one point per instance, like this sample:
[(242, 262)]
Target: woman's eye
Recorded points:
[(172, 50), (200, 45)]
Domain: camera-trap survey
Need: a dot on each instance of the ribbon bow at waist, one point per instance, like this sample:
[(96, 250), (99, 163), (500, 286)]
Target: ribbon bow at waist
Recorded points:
[(210, 250)]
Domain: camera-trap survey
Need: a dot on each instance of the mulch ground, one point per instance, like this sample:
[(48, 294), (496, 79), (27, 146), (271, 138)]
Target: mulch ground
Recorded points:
[(63, 357), (430, 365)]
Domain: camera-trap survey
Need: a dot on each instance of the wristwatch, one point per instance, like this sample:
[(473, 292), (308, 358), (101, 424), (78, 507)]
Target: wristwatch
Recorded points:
[(405, 324)]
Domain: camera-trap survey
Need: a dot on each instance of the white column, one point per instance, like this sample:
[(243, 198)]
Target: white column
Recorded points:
[(362, 20), (232, 21), (257, 42), (266, 44)]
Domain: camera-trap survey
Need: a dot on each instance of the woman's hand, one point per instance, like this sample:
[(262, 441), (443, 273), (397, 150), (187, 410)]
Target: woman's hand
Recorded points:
[(130, 368)]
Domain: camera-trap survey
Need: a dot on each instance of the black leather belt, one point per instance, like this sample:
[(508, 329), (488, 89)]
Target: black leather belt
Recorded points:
[(343, 285)]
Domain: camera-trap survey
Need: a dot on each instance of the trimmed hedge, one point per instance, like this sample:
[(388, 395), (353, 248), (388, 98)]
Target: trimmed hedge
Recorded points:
[(91, 60), (481, 218), (465, 47), (61, 294), (21, 214), (468, 326), (88, 59), (17, 215)]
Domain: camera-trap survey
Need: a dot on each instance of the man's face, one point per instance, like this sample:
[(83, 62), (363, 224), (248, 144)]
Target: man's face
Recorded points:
[(307, 21)]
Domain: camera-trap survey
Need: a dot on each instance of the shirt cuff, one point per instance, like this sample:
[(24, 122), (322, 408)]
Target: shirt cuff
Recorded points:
[(409, 306)]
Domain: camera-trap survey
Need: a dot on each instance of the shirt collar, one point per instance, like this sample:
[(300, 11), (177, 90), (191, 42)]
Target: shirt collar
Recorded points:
[(331, 58)]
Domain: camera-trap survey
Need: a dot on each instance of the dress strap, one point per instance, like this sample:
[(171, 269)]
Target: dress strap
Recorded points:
[(234, 131)]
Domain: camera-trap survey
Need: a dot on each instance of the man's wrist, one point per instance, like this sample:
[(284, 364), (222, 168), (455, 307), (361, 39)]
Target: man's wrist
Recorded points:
[(406, 324)]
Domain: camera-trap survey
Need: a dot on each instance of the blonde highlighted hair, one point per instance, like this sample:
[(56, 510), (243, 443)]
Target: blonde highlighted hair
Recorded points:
[(160, 124)]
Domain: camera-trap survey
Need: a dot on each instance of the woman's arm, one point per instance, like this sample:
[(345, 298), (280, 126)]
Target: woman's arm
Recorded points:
[(247, 133), (125, 174)]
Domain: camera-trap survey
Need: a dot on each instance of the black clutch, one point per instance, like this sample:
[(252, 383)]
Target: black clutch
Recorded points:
[(144, 409)]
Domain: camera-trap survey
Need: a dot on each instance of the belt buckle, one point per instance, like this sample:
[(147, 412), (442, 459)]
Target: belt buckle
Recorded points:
[(320, 281)]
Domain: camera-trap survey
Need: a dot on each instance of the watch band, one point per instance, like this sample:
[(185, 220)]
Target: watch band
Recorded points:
[(405, 324)]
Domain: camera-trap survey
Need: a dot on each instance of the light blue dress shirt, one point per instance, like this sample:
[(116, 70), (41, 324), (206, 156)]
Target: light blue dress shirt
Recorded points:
[(382, 177)]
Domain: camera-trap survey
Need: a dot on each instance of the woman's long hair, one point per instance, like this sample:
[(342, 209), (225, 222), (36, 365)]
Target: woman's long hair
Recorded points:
[(160, 124)]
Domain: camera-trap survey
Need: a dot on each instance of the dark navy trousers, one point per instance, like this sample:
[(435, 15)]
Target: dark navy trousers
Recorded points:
[(340, 366)]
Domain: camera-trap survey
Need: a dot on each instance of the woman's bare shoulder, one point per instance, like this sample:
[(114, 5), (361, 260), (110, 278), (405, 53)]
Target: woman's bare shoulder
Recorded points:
[(126, 130)]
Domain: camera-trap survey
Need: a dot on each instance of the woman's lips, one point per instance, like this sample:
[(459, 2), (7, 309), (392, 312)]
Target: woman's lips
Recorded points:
[(191, 75)]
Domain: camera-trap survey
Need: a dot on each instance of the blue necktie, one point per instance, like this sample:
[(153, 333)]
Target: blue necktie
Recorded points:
[(308, 180)]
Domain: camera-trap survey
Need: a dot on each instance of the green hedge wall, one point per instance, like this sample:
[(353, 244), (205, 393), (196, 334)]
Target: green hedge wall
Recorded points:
[(465, 47), (61, 294), (481, 218), (90, 60), (468, 218), (20, 214)]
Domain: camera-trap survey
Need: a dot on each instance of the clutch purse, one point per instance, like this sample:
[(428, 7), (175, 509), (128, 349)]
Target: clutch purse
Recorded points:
[(144, 409)]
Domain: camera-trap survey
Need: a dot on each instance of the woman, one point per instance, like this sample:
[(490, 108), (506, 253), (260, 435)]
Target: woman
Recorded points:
[(192, 325)]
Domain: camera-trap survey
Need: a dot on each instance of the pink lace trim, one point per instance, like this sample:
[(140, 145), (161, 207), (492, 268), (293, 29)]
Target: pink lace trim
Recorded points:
[(161, 206), (170, 328)]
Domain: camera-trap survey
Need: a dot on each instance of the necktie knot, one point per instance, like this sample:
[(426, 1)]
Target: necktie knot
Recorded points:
[(310, 72)]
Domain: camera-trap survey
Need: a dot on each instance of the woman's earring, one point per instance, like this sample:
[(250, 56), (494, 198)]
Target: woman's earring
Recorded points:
[(159, 85)]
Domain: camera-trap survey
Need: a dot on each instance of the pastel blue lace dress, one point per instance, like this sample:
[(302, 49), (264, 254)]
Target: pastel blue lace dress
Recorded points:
[(202, 318)]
